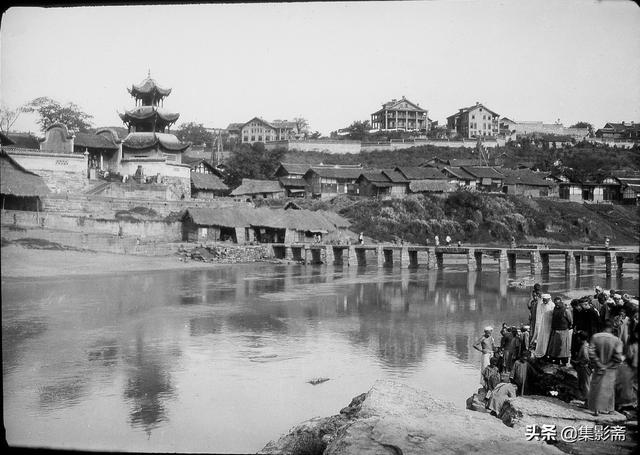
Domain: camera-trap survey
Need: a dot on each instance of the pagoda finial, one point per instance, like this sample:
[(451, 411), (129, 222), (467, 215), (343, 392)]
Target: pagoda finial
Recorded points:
[(149, 72)]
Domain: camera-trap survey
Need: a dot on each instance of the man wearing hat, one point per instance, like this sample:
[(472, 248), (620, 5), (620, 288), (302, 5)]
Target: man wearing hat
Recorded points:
[(542, 330), (487, 346)]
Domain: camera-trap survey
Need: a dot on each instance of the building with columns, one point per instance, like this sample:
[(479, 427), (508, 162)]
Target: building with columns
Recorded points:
[(400, 115)]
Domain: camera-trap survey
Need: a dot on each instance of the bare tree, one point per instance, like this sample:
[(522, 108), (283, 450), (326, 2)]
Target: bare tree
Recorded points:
[(8, 117), (302, 125)]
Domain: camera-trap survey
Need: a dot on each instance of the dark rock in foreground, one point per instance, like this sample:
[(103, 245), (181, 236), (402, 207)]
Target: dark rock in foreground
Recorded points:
[(397, 419)]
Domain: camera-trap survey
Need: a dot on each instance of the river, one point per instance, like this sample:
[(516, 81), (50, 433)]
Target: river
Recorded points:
[(218, 360)]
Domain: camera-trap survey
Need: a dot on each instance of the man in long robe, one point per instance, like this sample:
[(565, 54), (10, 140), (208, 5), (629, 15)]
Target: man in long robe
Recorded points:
[(559, 348), (542, 331), (605, 352)]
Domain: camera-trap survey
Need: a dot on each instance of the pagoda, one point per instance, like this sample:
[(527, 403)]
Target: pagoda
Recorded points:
[(148, 123)]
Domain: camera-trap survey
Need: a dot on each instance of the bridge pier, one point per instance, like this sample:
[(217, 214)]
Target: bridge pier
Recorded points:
[(478, 257), (404, 257), (608, 256), (288, 253), (439, 260), (503, 261), (353, 257), (329, 256), (569, 263), (380, 259), (339, 256), (536, 262), (472, 264), (620, 265), (431, 258)]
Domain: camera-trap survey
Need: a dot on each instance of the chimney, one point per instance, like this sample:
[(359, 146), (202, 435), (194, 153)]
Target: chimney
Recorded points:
[(477, 103)]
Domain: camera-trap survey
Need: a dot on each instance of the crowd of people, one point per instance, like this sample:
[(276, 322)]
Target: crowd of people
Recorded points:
[(597, 335)]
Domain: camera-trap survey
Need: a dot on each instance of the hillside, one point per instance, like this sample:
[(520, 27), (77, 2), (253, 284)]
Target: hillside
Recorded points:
[(483, 218)]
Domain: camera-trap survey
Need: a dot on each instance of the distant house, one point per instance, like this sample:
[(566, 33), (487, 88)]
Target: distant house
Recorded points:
[(400, 115), (459, 175), (202, 166), (432, 186), (258, 189), (374, 184), (260, 130), (487, 178), (629, 131), (331, 181), (474, 121), (400, 182), (630, 190), (525, 182), (207, 186), (567, 189), (20, 189), (103, 147), (506, 126), (292, 170)]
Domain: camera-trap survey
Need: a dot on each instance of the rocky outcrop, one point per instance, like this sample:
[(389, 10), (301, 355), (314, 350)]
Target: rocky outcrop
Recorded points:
[(537, 410), (397, 419)]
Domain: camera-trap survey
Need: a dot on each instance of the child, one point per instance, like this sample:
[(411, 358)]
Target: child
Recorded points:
[(511, 349), (524, 339), (523, 373), (582, 364)]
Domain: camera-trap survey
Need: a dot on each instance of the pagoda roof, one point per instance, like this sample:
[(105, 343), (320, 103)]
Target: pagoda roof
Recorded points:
[(149, 112), (144, 141), (148, 86)]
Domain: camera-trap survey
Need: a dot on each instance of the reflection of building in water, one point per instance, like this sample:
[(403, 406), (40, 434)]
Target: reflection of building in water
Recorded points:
[(148, 386)]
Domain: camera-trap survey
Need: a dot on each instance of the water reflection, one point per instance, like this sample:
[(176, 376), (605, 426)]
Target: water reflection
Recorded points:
[(191, 351), (148, 385)]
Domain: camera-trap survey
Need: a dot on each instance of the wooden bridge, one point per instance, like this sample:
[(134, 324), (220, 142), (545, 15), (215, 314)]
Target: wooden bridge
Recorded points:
[(434, 257)]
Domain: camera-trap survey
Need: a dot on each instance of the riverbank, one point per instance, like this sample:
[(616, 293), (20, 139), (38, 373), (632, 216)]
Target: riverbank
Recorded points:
[(21, 262)]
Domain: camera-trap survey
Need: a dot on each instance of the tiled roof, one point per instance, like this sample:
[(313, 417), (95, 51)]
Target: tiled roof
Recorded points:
[(24, 140), (395, 176), (337, 173), (295, 168), (143, 141), (459, 173), (202, 181), (483, 172), (292, 182), (421, 173), (149, 85), (524, 177), (250, 186), (375, 176), (17, 181), (95, 141)]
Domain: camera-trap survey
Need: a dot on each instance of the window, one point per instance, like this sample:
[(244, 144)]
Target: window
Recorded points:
[(253, 138)]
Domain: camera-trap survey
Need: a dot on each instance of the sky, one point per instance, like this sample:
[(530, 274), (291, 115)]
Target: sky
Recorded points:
[(331, 63)]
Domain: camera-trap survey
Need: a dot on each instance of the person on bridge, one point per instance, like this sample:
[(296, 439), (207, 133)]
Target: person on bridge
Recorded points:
[(605, 352), (437, 240), (542, 330), (361, 238), (561, 330), (448, 240)]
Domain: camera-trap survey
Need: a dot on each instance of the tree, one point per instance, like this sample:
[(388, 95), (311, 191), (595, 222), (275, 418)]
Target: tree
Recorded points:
[(253, 162), (302, 126), (51, 111), (8, 117), (195, 133), (358, 130), (314, 135), (582, 125)]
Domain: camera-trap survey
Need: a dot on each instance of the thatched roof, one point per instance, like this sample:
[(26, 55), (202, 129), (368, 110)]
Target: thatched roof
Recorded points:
[(17, 181), (301, 220), (211, 182), (525, 177), (250, 186)]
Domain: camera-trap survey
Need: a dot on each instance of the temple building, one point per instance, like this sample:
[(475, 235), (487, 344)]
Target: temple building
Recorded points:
[(150, 151)]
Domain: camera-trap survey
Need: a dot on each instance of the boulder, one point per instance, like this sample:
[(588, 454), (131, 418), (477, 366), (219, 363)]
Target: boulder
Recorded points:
[(538, 410), (397, 419)]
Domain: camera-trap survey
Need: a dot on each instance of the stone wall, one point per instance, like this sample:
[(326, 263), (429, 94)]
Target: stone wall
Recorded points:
[(329, 146), (143, 229), (102, 207), (95, 242), (63, 173)]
